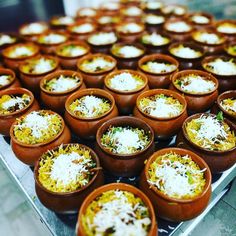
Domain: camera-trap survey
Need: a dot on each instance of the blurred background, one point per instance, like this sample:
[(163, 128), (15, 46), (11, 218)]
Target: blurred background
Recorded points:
[(14, 13)]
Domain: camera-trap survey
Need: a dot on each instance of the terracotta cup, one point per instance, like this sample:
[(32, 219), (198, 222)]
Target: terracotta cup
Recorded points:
[(14, 82), (174, 209)]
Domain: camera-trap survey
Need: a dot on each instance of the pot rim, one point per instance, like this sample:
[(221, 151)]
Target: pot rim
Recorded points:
[(201, 13), (67, 194), (196, 72), (161, 57), (217, 23), (167, 92), (44, 23), (14, 91), (128, 121), (37, 144), (176, 20), (89, 56), (58, 73), (197, 115), (197, 160), (123, 187), (88, 91), (4, 71), (133, 72)]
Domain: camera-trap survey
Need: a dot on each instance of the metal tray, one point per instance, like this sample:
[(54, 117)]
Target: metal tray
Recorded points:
[(64, 225)]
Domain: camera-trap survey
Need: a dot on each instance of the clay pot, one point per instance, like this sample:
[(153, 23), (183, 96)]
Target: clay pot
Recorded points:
[(164, 128), (176, 35), (30, 153), (14, 62), (227, 47), (170, 208), (199, 24), (129, 37), (158, 80), (55, 101), (218, 107), (14, 83), (86, 13), (210, 49), (67, 202), (125, 100), (83, 36), (126, 165), (151, 26), (86, 128), (196, 102), (7, 120), (110, 8), (30, 35), (124, 62), (100, 48), (174, 11), (186, 63), (114, 186), (69, 62), (3, 45), (109, 25), (229, 36), (152, 49), (32, 81), (152, 7), (50, 48), (226, 82), (218, 161), (95, 79), (131, 16)]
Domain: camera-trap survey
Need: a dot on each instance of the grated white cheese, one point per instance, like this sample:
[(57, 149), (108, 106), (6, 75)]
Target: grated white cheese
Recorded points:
[(227, 28), (154, 19), (72, 165), (83, 28), (42, 65), (64, 20), (155, 39), (90, 105), (153, 5), (179, 26), (105, 19), (98, 62), (36, 123), (125, 82), (4, 80), (172, 178), (130, 51), (158, 67), (102, 38), (119, 215), (87, 12), (76, 51), (200, 19), (227, 107), (53, 38), (209, 38), (179, 10), (221, 67), (64, 83), (21, 102), (132, 11), (185, 52), (130, 28), (33, 28), (21, 51), (111, 6), (6, 39), (196, 84)]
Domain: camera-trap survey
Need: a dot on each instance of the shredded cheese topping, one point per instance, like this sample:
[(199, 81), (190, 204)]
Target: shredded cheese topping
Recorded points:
[(176, 176), (63, 20), (154, 19), (221, 67), (130, 28), (87, 12), (161, 106), (33, 28), (21, 51), (6, 39), (229, 105), (200, 19), (102, 38), (90, 106), (158, 67), (127, 51), (83, 28), (185, 52), (52, 38), (205, 37), (117, 212), (179, 26), (126, 82), (153, 5), (4, 80), (132, 11), (71, 50), (155, 39), (227, 28), (194, 83), (61, 83)]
